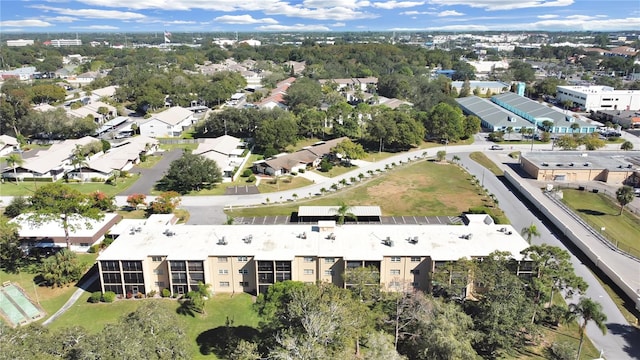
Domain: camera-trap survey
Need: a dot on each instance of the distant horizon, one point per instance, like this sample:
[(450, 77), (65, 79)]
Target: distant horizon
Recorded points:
[(317, 16)]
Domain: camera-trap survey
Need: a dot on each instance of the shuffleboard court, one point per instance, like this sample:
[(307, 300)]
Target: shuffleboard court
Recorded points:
[(22, 301), (10, 311), (15, 307)]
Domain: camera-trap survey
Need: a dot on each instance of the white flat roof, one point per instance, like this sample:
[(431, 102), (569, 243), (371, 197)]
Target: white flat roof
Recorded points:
[(333, 210), (53, 229), (284, 242)]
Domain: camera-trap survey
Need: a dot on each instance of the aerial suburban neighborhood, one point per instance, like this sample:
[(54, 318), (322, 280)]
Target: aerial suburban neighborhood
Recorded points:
[(301, 193)]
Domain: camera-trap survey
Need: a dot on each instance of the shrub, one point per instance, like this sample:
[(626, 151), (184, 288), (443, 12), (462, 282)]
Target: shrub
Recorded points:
[(562, 351), (143, 157), (247, 173), (152, 293), (124, 174), (293, 173), (139, 295), (166, 293), (94, 249), (109, 297), (17, 206), (95, 297), (302, 171), (252, 178), (129, 295)]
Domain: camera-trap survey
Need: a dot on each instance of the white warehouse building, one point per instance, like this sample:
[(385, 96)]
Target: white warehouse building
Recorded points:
[(600, 97)]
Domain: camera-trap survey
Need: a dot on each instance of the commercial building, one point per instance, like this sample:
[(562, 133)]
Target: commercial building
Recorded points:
[(19, 42), (599, 97), (482, 87), (63, 42), (157, 255), (614, 168), (624, 118), (538, 113), (492, 116)]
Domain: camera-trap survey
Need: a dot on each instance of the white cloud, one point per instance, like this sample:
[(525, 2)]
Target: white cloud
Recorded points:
[(548, 16), (95, 27), (560, 24), (243, 19), (389, 5), (25, 23), (92, 13), (295, 27), (64, 19), (180, 22), (450, 13), (339, 24), (503, 4)]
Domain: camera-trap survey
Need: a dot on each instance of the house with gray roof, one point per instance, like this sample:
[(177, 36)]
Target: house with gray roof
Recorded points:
[(226, 151)]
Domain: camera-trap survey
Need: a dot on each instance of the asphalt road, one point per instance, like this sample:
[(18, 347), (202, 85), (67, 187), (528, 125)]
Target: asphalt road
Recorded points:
[(622, 341), (149, 177)]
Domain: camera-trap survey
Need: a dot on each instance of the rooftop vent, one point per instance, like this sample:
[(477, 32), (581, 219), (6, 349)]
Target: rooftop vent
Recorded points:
[(413, 240), (247, 239), (587, 164), (466, 236), (388, 241), (331, 236), (222, 241), (169, 232), (302, 235), (571, 164), (545, 164)]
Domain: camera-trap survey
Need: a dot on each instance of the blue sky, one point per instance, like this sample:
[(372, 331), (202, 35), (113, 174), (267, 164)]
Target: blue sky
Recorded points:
[(317, 15)]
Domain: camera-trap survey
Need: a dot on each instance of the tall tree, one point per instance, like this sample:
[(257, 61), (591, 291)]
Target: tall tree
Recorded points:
[(587, 310), (191, 173), (445, 122), (624, 195), (14, 161), (10, 252), (62, 268), (343, 211), (61, 204), (79, 160)]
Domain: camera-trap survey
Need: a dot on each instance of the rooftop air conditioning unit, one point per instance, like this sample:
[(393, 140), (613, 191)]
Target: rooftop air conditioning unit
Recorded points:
[(222, 241)]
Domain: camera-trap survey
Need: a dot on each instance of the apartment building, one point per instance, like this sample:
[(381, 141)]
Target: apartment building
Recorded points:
[(156, 255), (600, 97)]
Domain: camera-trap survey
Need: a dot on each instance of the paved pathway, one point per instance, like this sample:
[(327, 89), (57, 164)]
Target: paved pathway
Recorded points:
[(82, 287), (149, 177)]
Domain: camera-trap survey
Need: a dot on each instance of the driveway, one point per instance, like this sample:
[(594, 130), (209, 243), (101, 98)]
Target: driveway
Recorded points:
[(149, 177)]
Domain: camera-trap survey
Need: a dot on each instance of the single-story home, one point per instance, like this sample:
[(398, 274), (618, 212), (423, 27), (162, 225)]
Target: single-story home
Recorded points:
[(309, 156), (83, 232), (8, 144), (169, 123), (226, 151)]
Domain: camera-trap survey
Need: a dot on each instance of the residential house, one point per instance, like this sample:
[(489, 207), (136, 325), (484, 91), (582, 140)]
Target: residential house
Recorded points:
[(276, 97), (105, 92), (169, 123), (226, 151), (50, 164), (83, 232), (91, 109), (8, 144), (120, 157), (309, 156)]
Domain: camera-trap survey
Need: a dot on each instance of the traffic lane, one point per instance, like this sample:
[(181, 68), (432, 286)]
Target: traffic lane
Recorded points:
[(622, 342)]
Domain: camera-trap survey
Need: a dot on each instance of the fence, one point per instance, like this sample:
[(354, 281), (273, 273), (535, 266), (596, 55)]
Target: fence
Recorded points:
[(166, 141)]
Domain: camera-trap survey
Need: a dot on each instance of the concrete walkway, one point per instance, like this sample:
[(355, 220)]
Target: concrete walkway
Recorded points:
[(82, 288)]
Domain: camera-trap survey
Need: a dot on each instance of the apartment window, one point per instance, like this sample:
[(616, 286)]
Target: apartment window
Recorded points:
[(308, 271), (394, 284), (178, 265), (196, 266), (223, 272), (110, 266), (415, 259), (244, 283), (132, 265), (156, 258), (223, 259), (329, 260), (395, 271), (243, 271), (395, 259), (242, 259), (224, 284), (308, 259), (158, 271), (328, 272), (415, 272)]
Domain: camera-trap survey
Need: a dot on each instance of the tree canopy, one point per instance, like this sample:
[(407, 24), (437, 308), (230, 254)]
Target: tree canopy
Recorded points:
[(191, 173)]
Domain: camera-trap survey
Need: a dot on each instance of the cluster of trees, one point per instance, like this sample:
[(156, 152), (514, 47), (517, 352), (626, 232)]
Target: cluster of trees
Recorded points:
[(323, 321), (572, 142), (190, 173), (150, 332)]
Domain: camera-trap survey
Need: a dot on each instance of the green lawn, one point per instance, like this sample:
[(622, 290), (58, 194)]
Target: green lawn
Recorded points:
[(283, 183), (600, 211), (421, 188), (336, 170), (149, 162), (237, 308), (27, 188), (483, 160)]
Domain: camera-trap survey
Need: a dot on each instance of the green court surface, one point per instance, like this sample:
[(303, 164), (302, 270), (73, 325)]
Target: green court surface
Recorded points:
[(16, 307)]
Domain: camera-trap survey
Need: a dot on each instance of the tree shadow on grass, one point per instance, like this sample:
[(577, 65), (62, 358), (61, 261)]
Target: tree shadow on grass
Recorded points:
[(592, 212), (224, 339)]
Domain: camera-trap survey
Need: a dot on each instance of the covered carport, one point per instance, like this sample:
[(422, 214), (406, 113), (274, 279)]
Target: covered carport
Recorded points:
[(312, 214)]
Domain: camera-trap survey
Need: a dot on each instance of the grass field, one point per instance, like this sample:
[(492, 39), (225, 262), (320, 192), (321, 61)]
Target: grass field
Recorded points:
[(421, 188), (27, 188), (483, 160), (600, 211), (93, 317), (336, 171), (150, 162)]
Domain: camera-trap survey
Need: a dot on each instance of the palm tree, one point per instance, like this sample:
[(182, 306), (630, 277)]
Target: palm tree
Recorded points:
[(13, 161), (529, 232), (343, 211), (587, 310), (624, 195), (626, 146), (455, 158), (78, 160)]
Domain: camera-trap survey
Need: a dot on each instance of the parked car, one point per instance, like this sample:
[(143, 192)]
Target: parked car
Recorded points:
[(496, 147)]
